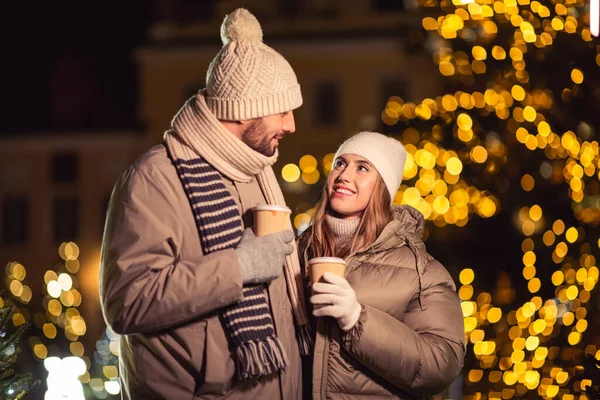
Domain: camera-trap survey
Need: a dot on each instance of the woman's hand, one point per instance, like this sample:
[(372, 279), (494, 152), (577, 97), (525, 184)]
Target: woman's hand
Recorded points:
[(336, 299)]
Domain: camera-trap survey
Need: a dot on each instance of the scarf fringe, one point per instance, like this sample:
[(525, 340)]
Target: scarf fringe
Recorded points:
[(260, 358), (305, 340)]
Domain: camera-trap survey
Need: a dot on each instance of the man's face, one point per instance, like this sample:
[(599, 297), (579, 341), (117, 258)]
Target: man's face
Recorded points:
[(263, 134)]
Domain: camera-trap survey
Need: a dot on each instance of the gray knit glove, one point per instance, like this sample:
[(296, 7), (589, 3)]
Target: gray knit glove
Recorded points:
[(261, 258)]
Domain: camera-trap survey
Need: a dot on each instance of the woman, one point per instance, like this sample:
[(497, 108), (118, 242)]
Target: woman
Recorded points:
[(393, 328)]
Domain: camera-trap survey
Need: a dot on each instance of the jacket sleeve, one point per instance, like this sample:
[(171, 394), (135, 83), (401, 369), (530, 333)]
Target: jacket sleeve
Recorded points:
[(422, 354), (146, 284)]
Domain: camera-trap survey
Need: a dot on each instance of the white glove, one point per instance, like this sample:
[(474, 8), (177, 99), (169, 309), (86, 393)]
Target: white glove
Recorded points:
[(336, 299)]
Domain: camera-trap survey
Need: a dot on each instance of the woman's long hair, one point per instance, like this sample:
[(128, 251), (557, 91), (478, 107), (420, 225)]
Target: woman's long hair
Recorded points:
[(374, 218)]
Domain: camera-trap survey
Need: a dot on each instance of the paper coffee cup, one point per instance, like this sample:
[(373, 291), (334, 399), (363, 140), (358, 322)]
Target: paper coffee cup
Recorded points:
[(270, 219), (318, 266)]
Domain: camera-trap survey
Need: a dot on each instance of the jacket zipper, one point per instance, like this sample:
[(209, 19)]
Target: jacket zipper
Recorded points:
[(325, 359), (356, 254)]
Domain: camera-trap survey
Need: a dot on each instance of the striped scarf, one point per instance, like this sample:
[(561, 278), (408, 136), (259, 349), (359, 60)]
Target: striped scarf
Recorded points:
[(203, 150)]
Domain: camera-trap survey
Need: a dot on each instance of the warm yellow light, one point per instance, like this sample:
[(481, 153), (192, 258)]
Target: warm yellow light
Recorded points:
[(479, 154), (468, 308), (72, 266), (441, 205), (110, 371), (541, 353), (528, 309), (446, 68), (430, 24), (544, 129), (454, 166), (538, 326), (552, 391), (494, 315), (327, 162), (529, 113), (558, 227), (479, 53), (71, 251), (16, 288), (308, 163), (527, 182), (464, 121), (498, 52), (49, 330), (466, 276), (301, 221), (290, 173), (568, 318), (50, 276), (571, 235), (532, 343), (18, 319), (40, 351), (477, 336), (577, 76), (574, 338), (449, 102), (534, 285), (65, 281), (18, 272), (76, 349), (78, 326), (475, 375), (54, 289), (518, 93), (535, 213), (529, 271), (572, 292), (465, 292), (54, 307), (310, 178)]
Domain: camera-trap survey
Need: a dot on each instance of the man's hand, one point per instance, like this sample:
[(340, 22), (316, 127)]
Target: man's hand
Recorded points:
[(261, 258), (336, 299)]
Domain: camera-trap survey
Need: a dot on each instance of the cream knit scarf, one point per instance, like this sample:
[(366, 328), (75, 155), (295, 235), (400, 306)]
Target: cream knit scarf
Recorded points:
[(197, 132)]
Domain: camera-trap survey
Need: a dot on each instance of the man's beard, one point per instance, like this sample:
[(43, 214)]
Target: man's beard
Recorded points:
[(257, 138)]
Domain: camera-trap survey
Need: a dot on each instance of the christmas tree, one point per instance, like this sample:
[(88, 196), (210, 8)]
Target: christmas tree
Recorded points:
[(12, 385), (504, 166)]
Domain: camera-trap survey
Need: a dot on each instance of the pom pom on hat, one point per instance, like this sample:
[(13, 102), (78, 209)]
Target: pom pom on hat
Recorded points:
[(248, 79), (241, 25)]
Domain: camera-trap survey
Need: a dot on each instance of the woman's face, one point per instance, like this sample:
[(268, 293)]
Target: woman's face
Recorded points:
[(350, 185)]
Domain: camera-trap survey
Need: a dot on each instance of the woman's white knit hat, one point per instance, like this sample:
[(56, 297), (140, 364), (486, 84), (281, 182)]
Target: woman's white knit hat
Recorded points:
[(385, 153), (248, 79)]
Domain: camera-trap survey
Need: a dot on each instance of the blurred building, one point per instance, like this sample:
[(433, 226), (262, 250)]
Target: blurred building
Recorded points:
[(350, 57), (54, 189)]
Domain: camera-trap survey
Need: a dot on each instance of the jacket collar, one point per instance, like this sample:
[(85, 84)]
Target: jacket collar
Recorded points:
[(407, 223)]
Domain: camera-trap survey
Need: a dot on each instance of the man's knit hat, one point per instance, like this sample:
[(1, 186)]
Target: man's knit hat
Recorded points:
[(386, 154), (248, 79)]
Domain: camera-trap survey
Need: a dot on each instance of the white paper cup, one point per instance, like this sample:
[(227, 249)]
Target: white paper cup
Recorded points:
[(270, 219), (320, 265)]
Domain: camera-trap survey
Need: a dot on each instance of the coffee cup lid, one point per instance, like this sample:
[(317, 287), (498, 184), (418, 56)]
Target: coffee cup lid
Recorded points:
[(272, 207), (334, 260)]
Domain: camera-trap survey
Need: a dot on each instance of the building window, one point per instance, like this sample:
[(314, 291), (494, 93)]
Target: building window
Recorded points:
[(387, 5), (15, 220), (327, 104), (389, 88), (65, 168), (66, 219)]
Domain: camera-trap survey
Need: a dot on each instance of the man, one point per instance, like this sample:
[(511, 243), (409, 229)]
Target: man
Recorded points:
[(206, 308)]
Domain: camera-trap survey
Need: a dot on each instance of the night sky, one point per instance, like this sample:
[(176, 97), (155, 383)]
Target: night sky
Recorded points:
[(67, 65)]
